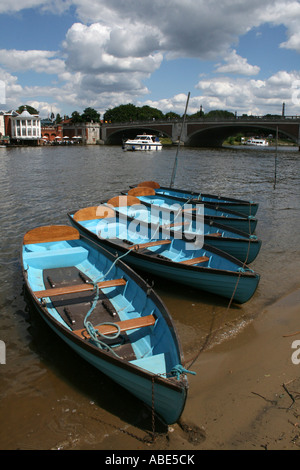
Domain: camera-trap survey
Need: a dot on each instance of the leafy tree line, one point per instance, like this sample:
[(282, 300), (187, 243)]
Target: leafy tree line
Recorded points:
[(130, 112)]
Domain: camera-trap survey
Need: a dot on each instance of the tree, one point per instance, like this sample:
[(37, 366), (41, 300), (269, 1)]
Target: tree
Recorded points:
[(122, 113), (147, 113), (89, 115), (58, 119), (76, 117), (219, 114), (172, 115), (30, 109)]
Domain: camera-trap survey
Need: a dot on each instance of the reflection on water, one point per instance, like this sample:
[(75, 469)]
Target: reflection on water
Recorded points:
[(42, 379)]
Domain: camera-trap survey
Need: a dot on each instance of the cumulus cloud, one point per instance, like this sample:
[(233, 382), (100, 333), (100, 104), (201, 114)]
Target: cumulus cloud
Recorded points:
[(251, 96), (39, 61), (90, 49), (237, 65)]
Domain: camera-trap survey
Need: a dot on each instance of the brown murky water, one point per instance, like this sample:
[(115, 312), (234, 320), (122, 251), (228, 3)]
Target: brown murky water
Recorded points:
[(50, 398)]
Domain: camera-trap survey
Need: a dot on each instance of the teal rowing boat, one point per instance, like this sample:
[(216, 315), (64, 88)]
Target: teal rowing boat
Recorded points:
[(107, 314), (213, 213), (223, 202), (241, 245), (157, 251)]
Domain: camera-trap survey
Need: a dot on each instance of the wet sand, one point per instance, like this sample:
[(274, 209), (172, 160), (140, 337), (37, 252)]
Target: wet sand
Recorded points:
[(246, 393)]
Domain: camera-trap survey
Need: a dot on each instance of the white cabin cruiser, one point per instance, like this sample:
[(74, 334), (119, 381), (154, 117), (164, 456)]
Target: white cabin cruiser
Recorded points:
[(258, 142), (143, 142)]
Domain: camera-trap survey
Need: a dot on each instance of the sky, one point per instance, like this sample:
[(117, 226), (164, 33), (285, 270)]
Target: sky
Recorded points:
[(62, 56)]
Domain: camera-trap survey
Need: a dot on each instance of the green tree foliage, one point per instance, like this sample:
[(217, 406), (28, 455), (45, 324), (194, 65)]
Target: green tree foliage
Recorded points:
[(90, 114), (122, 113), (146, 113), (172, 115), (197, 115), (76, 117), (219, 114), (30, 109), (130, 112)]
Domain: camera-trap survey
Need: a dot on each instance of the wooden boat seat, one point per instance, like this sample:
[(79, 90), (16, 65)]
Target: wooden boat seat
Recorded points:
[(50, 233), (150, 184), (124, 325), (94, 212), (123, 201), (201, 259), (141, 191), (190, 210), (140, 246), (78, 288)]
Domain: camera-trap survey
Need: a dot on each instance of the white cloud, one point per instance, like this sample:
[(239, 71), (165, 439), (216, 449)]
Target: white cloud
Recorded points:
[(89, 49), (39, 61), (252, 96), (16, 5), (237, 65)]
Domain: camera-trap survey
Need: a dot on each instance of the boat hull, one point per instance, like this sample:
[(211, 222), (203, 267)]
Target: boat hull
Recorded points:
[(238, 286), (227, 203), (231, 219), (132, 147), (162, 392), (167, 402), (238, 244)]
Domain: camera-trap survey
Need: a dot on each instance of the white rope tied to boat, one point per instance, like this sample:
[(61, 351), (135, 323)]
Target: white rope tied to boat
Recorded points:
[(93, 332)]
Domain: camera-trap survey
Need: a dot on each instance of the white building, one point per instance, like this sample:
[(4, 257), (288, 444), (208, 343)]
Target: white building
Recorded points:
[(2, 126), (25, 126)]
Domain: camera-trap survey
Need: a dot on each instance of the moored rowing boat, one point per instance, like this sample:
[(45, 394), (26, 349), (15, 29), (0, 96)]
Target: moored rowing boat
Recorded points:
[(163, 254), (107, 314), (223, 202)]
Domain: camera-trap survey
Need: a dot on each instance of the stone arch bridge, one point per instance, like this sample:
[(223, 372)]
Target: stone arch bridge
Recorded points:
[(203, 132)]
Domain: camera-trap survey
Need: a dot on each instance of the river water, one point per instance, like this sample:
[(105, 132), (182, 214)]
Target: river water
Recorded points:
[(49, 398)]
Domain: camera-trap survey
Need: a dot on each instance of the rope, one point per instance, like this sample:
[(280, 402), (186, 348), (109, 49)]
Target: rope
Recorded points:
[(93, 332), (178, 370), (240, 271)]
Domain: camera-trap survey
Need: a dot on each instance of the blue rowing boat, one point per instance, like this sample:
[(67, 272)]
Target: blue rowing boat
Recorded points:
[(223, 202), (159, 252), (107, 314), (241, 245), (231, 219)]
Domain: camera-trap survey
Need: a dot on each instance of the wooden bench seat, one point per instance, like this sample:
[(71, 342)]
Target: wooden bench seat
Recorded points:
[(78, 288), (124, 325), (139, 246), (201, 259)]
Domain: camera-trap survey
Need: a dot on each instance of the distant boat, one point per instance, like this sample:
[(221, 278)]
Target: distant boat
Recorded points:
[(165, 255), (143, 142), (257, 142), (223, 202), (107, 314)]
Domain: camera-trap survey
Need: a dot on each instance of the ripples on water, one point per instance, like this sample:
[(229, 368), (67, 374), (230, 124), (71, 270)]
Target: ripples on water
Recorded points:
[(38, 187)]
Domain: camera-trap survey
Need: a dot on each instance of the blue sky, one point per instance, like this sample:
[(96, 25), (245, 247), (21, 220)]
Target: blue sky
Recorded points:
[(66, 55)]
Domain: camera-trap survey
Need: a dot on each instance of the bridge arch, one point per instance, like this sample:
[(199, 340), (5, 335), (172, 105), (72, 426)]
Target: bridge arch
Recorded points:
[(116, 135), (215, 135)]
